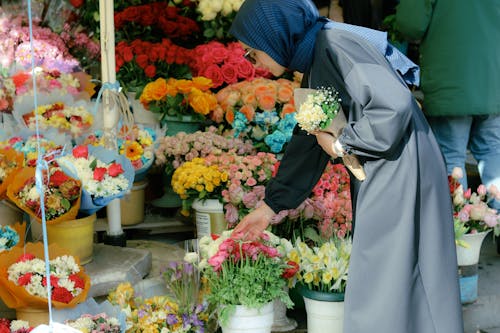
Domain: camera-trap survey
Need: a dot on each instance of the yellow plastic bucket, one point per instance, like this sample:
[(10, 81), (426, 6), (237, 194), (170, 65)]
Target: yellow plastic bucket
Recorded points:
[(132, 204)]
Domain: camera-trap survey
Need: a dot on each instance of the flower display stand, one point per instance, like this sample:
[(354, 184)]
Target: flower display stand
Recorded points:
[(250, 320), (132, 204), (325, 311), (209, 215), (34, 316), (467, 259)]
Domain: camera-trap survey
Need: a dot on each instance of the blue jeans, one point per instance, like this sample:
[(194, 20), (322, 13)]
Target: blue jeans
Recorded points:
[(479, 134)]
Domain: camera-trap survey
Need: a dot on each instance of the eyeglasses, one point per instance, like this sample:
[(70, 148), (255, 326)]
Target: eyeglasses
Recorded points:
[(248, 56)]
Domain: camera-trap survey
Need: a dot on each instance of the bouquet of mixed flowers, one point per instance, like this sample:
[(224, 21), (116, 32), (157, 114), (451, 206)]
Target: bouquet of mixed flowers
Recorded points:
[(61, 194), (136, 143), (100, 322), (11, 161), (140, 62), (30, 145), (105, 175), (322, 267), (23, 279), (261, 110), (157, 313), (320, 110), (11, 235), (14, 326), (178, 98), (327, 212), (471, 213), (242, 272), (173, 151)]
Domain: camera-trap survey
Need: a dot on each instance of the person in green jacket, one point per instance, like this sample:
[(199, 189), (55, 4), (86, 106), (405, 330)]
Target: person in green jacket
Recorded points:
[(460, 78)]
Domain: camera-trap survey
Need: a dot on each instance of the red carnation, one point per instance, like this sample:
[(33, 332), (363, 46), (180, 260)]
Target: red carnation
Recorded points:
[(62, 295), (78, 281), (26, 257), (54, 281), (5, 328), (291, 271), (24, 279), (115, 169), (58, 178), (81, 151), (99, 173)]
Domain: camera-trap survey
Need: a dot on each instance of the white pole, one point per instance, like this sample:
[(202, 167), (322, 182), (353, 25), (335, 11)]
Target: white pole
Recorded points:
[(110, 112)]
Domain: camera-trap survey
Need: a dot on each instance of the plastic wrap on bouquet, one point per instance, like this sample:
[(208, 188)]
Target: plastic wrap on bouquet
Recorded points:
[(11, 161), (16, 297), (90, 204)]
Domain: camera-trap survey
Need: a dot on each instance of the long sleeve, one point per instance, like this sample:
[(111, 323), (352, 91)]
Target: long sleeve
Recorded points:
[(413, 17)]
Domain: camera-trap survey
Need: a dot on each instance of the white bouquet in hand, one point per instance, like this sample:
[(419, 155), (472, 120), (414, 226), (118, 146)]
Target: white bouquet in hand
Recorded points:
[(320, 110)]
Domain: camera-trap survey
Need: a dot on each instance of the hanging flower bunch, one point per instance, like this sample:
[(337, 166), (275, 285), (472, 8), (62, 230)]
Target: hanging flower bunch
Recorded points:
[(14, 326), (158, 313), (242, 272), (95, 323), (105, 175), (29, 145), (140, 62), (61, 194), (322, 266), (471, 212), (216, 17), (49, 49), (223, 64), (177, 98), (154, 19), (261, 110), (173, 151)]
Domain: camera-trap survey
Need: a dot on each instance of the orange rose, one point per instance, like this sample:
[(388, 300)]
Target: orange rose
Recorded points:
[(248, 110), (267, 102)]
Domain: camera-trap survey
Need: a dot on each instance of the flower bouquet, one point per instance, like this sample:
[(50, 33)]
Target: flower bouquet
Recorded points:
[(320, 110), (471, 213), (23, 279), (105, 175), (178, 98), (243, 273), (12, 235), (61, 194), (157, 313), (11, 161), (95, 323), (261, 110)]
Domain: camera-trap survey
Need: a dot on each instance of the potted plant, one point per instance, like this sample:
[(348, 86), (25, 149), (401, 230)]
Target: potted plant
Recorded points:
[(321, 279), (243, 279)]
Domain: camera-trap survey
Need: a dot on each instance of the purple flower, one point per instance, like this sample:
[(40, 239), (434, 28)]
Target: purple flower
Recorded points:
[(172, 319)]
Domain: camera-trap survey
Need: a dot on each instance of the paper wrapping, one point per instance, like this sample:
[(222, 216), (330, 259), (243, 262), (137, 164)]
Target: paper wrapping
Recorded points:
[(15, 296), (18, 158), (18, 183)]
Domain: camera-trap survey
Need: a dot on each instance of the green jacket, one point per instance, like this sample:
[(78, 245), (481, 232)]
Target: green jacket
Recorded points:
[(459, 53)]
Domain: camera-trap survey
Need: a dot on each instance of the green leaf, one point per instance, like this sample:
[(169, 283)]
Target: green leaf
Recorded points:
[(93, 165), (66, 204)]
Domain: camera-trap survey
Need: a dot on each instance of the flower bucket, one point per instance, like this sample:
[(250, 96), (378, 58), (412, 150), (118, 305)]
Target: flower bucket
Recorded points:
[(169, 199), (76, 235), (325, 311), (186, 124), (9, 213), (467, 259), (250, 320), (34, 316), (132, 204), (209, 215)]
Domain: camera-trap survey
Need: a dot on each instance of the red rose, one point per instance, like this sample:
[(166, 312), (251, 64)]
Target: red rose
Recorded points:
[(246, 70), (142, 60), (78, 281), (58, 178), (150, 71), (81, 151), (54, 281), (62, 295), (99, 173), (76, 3), (26, 257), (291, 271), (128, 55), (213, 72), (229, 73), (24, 279), (115, 169)]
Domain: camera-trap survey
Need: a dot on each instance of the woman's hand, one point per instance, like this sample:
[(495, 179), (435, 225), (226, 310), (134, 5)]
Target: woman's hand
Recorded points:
[(252, 225), (326, 141)]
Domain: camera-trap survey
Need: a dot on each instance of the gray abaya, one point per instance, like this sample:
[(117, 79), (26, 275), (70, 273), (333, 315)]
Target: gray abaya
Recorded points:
[(403, 271)]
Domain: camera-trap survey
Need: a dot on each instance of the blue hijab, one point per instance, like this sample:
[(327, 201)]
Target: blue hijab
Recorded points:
[(286, 30)]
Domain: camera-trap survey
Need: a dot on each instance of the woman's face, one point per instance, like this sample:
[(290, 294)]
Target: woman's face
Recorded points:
[(262, 60)]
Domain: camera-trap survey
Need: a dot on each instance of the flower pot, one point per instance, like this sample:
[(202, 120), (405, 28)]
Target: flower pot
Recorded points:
[(132, 204), (467, 259), (9, 213), (77, 236), (209, 215), (250, 320), (187, 124), (34, 316)]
